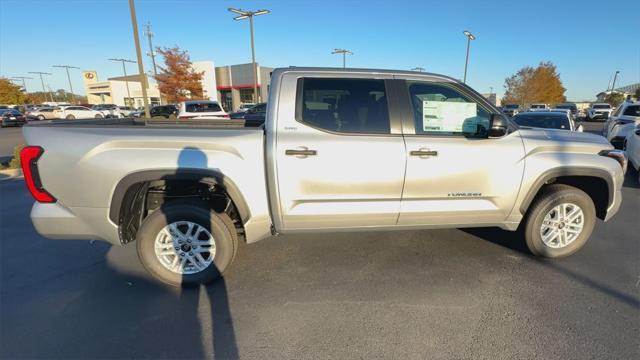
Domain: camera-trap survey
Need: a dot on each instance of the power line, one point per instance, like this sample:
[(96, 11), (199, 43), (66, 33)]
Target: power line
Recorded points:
[(344, 53)]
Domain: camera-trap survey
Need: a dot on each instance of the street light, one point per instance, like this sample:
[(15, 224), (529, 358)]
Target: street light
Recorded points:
[(344, 53), (249, 15), (42, 81), (126, 82), (419, 69), (67, 67), (470, 37)]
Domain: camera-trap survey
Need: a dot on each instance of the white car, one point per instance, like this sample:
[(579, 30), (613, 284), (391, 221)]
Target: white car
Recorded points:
[(621, 123), (598, 111), (632, 147), (44, 113), (75, 112), (200, 108), (538, 107)]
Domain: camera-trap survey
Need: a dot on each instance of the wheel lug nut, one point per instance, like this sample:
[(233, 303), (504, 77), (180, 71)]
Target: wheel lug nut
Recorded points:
[(177, 248), (189, 241), (191, 253)]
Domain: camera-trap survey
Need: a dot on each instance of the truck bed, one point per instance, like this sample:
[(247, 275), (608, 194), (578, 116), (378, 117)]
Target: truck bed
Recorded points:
[(209, 123)]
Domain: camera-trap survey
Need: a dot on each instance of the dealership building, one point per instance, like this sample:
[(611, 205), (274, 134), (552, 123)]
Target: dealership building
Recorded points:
[(232, 85)]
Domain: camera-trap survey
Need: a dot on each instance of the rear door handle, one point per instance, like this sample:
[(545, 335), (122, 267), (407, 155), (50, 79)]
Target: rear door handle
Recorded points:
[(423, 152), (300, 152)]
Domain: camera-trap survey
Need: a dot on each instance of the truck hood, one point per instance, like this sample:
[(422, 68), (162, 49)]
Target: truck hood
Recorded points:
[(562, 140)]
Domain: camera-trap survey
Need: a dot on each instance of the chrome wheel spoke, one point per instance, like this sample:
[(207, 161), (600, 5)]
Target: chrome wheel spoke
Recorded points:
[(562, 225), (179, 247)]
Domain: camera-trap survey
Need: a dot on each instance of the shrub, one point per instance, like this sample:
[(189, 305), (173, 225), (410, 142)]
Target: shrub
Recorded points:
[(15, 162)]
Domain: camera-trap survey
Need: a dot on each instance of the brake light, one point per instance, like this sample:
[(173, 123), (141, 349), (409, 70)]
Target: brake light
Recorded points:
[(29, 156), (225, 116)]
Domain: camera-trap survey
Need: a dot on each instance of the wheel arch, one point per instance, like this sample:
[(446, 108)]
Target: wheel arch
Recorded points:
[(132, 184), (597, 183)]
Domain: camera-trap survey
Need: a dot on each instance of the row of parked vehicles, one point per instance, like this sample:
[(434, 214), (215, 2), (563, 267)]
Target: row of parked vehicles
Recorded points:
[(597, 111)]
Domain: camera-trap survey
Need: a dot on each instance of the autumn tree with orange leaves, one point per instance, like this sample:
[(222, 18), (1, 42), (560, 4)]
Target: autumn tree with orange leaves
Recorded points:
[(177, 80), (534, 85)]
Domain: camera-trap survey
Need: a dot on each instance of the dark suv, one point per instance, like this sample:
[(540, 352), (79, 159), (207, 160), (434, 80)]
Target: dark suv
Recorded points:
[(165, 111)]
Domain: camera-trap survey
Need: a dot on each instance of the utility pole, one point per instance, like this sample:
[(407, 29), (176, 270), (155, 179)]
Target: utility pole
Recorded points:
[(249, 15), (143, 77), (152, 52), (67, 67), (419, 69), (466, 61), (24, 84), (42, 81), (124, 69), (344, 53), (613, 86)]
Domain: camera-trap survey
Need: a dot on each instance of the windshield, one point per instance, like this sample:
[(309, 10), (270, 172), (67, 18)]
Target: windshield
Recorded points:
[(547, 120), (603, 106)]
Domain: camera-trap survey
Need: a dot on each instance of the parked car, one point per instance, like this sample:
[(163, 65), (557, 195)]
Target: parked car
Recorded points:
[(632, 147), (245, 106), (560, 119), (125, 111), (107, 110), (621, 123), (336, 154), (11, 117), (165, 111), (75, 112), (511, 109), (536, 107), (200, 108), (569, 106), (44, 113), (598, 111), (256, 112)]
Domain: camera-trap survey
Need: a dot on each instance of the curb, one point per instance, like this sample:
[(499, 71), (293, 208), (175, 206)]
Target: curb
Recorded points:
[(10, 174)]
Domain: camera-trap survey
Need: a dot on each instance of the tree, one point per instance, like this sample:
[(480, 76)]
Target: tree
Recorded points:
[(614, 98), (532, 85), (177, 80), (10, 93)]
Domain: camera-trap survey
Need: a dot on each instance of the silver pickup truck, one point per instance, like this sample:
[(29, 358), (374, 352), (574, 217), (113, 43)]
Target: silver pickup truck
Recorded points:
[(340, 150)]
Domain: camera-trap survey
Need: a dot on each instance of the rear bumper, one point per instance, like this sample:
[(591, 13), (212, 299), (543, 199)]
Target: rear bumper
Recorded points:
[(55, 221)]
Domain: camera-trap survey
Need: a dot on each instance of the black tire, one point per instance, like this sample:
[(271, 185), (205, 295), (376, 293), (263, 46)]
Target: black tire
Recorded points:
[(218, 224), (70, 117), (549, 197), (98, 116)]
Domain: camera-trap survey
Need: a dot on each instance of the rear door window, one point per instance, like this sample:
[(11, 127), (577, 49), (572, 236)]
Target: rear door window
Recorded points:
[(343, 105), (202, 107)]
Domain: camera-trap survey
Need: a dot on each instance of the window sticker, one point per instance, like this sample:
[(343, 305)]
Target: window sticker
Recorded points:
[(446, 116)]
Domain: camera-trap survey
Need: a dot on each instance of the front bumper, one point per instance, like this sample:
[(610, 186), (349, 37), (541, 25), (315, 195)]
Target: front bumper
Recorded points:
[(615, 205)]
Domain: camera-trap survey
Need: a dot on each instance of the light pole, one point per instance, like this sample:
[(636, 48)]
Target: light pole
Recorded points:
[(344, 53), (613, 86), (152, 53), (42, 81), (143, 78), (249, 15), (124, 69), (24, 84), (419, 69), (470, 37), (67, 67)]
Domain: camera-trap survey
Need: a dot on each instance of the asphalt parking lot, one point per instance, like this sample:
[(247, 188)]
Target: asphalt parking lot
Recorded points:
[(440, 294)]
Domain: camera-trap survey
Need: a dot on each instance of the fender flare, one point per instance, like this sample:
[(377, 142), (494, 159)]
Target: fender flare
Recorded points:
[(208, 175), (567, 171)]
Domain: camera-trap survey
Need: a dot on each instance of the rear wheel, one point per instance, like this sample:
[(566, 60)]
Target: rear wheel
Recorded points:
[(40, 117), (98, 116), (559, 221), (185, 244), (70, 117)]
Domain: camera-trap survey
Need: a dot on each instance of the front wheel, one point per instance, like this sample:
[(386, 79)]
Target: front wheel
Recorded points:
[(185, 244), (98, 116), (559, 221), (40, 117), (70, 117)]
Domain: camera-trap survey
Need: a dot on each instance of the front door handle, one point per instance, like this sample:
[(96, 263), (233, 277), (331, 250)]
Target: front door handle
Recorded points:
[(423, 152), (300, 152)]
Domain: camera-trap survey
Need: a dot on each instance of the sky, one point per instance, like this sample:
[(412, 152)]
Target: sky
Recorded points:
[(587, 40)]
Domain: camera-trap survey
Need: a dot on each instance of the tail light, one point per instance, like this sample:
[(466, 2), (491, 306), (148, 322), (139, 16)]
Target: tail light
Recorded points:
[(225, 116), (29, 156), (617, 155)]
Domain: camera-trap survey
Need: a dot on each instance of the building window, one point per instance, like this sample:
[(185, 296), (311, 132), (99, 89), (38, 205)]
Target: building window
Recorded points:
[(246, 96)]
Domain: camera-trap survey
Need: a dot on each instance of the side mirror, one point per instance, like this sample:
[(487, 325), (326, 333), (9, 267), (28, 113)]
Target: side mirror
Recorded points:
[(498, 126)]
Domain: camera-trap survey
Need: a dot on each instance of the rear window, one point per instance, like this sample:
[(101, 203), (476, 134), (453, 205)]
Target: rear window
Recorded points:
[(202, 107), (633, 110), (602, 106), (343, 105), (511, 106), (547, 121)]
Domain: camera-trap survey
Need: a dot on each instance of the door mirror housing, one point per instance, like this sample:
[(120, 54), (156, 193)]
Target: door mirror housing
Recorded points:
[(498, 126)]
